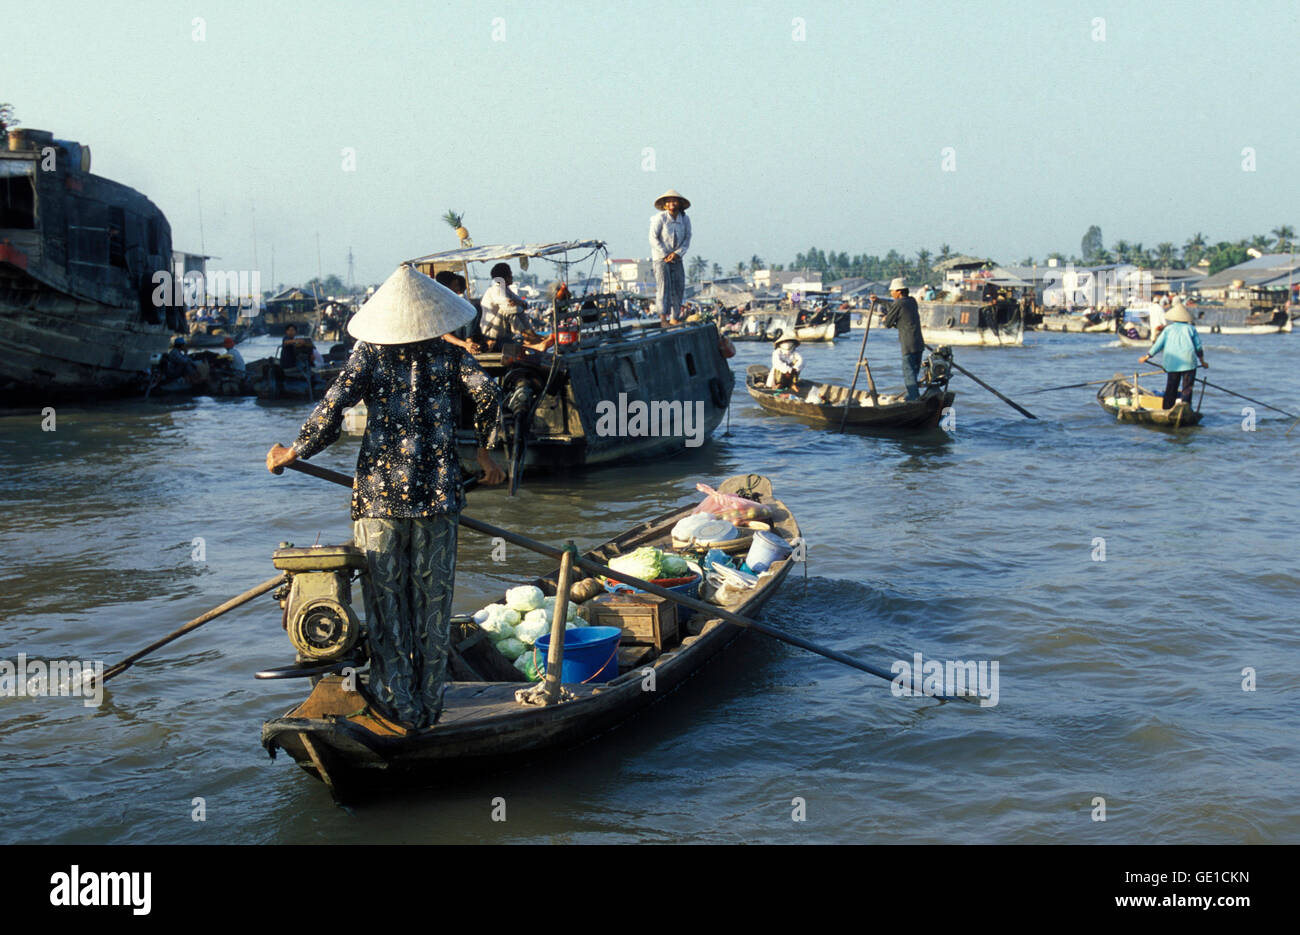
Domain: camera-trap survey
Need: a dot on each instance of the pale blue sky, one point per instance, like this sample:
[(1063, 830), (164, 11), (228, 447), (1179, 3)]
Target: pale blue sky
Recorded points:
[(835, 141)]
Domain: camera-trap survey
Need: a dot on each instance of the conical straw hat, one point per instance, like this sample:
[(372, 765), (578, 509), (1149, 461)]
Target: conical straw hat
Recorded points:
[(409, 307), (1178, 312), (672, 193)]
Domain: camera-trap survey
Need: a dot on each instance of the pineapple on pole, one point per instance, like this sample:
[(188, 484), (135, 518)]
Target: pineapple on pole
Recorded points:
[(455, 222)]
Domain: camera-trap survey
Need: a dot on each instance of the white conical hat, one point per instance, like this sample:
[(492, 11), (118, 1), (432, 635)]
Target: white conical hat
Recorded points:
[(409, 307), (1178, 312)]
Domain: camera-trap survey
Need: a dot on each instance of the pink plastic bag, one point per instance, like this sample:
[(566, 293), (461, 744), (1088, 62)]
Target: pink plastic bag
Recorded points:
[(728, 506)]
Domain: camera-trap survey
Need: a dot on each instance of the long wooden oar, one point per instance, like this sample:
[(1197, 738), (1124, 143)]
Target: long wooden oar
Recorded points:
[(862, 354), (1010, 402), (1075, 386), (1221, 389), (650, 587), (268, 585)]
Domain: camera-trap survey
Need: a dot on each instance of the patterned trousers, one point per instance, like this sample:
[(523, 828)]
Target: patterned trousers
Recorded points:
[(411, 565), (670, 280)]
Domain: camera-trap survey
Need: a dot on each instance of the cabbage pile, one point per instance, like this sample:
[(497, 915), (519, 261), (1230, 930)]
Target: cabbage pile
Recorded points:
[(649, 563), (513, 627)]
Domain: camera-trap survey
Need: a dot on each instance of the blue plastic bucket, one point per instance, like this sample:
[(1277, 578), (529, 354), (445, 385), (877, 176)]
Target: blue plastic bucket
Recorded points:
[(766, 548), (590, 654)]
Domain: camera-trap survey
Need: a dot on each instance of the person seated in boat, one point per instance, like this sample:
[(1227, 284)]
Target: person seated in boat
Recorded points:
[(505, 314), (295, 352), (407, 496), (463, 336), (1181, 345), (176, 363), (786, 364), (236, 358)]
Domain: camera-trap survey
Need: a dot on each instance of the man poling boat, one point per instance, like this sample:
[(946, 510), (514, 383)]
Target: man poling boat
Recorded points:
[(1180, 344)]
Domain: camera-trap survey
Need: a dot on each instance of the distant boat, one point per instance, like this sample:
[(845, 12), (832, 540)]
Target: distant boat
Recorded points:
[(971, 324), (80, 311), (887, 411), (1128, 402)]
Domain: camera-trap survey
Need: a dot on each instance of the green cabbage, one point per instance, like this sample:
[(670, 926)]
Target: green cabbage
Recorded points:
[(511, 648), (643, 563), (673, 566), (497, 629), (529, 631), (524, 599)]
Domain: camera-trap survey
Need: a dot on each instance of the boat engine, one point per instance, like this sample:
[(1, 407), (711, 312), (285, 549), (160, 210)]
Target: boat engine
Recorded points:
[(317, 599), (938, 367)]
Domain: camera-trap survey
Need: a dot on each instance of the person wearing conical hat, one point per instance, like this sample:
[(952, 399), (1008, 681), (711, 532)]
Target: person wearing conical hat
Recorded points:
[(407, 493), (786, 363), (670, 236), (1180, 344), (904, 315)]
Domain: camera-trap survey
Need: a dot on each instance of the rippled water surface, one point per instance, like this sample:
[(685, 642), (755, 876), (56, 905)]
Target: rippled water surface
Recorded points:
[(1120, 679)]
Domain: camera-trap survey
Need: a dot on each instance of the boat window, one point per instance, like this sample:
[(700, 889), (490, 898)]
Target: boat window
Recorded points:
[(690, 364), (87, 233), (17, 202)]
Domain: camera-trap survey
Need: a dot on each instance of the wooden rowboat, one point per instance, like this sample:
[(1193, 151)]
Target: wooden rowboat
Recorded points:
[(482, 726), (1117, 397), (891, 412)]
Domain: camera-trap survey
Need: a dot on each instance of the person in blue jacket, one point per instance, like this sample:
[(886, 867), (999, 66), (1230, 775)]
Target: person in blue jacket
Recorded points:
[(1181, 346)]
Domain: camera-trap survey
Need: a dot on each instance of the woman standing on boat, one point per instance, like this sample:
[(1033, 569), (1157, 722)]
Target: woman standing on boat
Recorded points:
[(1181, 345), (407, 493), (670, 235)]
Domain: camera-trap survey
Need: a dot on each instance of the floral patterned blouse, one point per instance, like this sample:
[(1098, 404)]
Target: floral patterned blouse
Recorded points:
[(409, 465)]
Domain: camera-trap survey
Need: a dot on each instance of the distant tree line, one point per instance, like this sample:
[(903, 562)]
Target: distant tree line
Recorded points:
[(919, 268)]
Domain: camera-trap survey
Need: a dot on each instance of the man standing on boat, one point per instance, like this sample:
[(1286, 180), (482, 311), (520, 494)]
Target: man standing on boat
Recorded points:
[(1181, 345), (903, 315), (670, 236), (407, 493)]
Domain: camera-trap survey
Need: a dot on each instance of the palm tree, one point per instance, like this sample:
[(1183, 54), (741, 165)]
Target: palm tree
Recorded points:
[(1261, 243), (1285, 235), (698, 268), (1194, 249), (923, 257), (1123, 250), (740, 268), (1165, 255), (717, 271), (756, 263)]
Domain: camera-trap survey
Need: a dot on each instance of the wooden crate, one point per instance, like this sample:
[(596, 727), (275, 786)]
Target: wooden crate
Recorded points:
[(645, 619)]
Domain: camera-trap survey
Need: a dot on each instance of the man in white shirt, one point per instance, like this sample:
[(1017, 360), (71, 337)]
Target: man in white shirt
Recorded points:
[(786, 364), (670, 236)]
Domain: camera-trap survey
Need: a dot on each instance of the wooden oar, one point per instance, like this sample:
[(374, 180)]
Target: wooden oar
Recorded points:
[(871, 384), (1221, 389), (1010, 402), (649, 587), (1075, 386), (267, 585)]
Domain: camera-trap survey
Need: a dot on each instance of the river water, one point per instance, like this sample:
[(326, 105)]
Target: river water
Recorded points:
[(1120, 681)]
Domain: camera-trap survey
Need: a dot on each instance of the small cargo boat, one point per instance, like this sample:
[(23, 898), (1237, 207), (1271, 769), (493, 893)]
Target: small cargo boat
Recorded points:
[(823, 404), (1123, 398), (334, 737)]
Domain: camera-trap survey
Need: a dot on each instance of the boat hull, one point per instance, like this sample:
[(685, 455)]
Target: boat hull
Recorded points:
[(965, 324), (1142, 408), (923, 413), (483, 728)]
